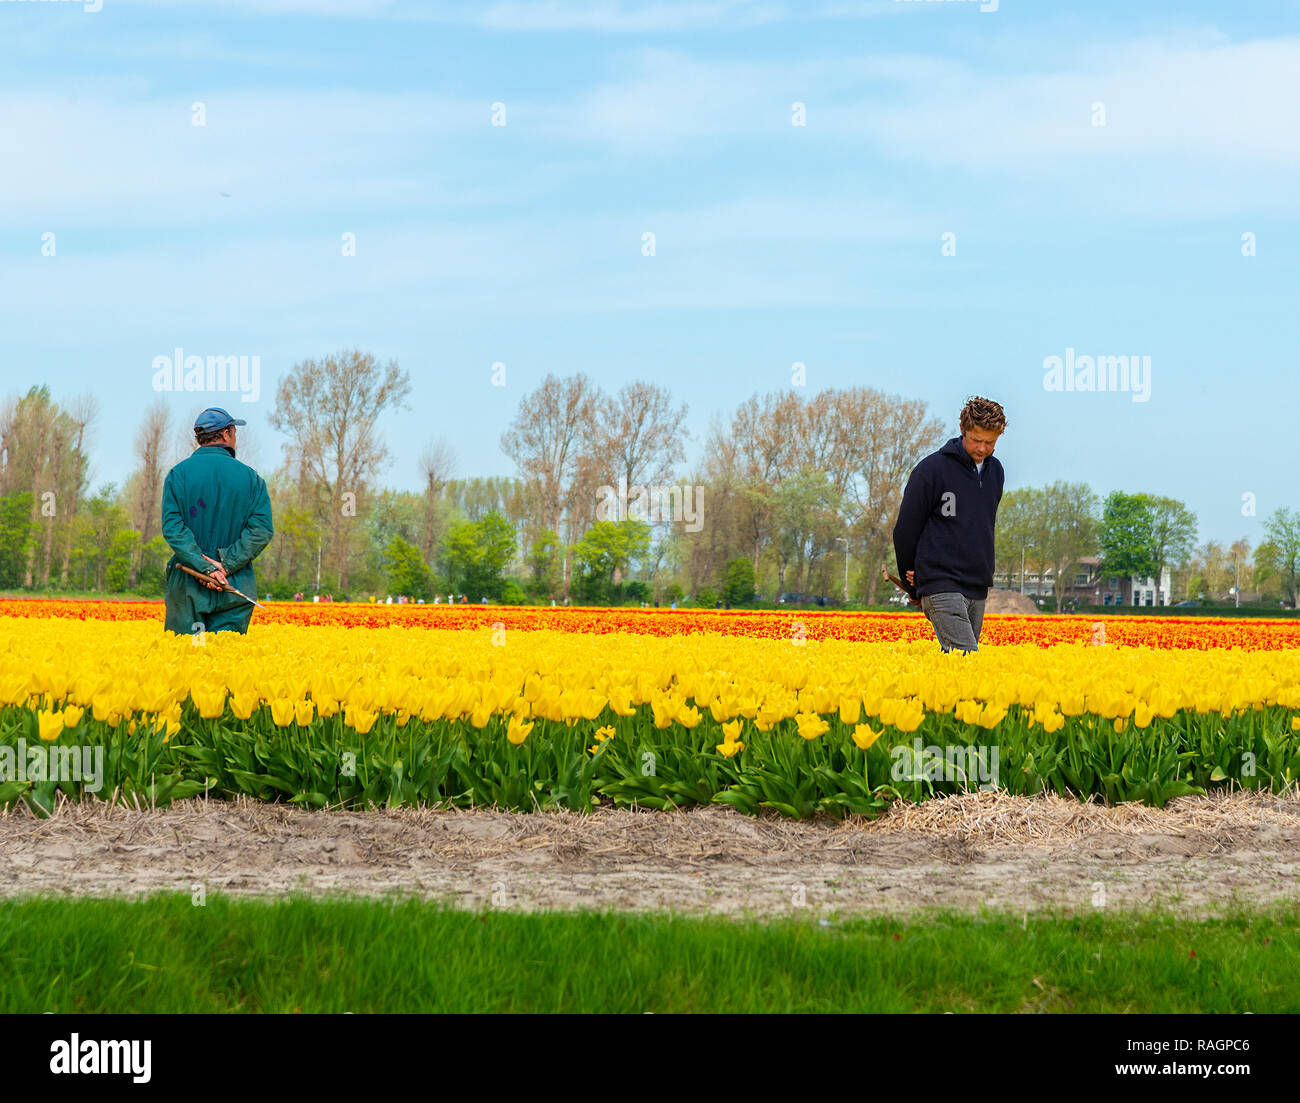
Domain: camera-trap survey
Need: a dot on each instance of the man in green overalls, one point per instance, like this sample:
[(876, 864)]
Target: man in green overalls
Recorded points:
[(216, 516)]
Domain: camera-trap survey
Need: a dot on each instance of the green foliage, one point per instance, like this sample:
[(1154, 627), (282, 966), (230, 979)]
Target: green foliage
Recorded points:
[(101, 546), (1279, 555), (393, 515), (706, 597), (1126, 536), (408, 573), (544, 561), (453, 762), (610, 546), (477, 554), (153, 562), (17, 537), (636, 591), (122, 549), (738, 582)]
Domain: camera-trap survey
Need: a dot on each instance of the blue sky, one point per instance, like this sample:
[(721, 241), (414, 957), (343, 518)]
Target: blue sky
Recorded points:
[(774, 243)]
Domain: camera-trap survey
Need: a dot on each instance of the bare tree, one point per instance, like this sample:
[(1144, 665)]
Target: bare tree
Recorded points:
[(641, 434), (884, 436), (1173, 532), (42, 452), (1070, 520), (553, 429), (150, 443), (83, 412), (330, 410), (437, 466)]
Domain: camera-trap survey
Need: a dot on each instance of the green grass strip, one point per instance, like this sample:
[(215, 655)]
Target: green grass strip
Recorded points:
[(163, 954)]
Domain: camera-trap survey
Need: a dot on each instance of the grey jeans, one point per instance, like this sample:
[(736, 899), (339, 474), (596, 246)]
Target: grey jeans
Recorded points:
[(956, 619)]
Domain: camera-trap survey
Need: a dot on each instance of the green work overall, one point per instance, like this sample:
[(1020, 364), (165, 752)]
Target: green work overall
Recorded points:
[(213, 505)]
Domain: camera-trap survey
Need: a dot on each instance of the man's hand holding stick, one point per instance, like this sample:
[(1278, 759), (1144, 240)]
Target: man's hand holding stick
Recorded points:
[(216, 579), (884, 570)]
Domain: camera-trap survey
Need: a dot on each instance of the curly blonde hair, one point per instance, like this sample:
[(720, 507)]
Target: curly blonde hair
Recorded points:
[(983, 413)]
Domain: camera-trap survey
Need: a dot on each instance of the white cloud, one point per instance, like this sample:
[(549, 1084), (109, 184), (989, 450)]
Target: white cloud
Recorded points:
[(1204, 102), (109, 153), (616, 16)]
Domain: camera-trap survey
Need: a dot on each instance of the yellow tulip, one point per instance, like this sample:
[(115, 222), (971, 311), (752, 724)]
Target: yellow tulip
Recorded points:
[(50, 725), (604, 733), (209, 700), (811, 725), (72, 715), (517, 731), (665, 711), (729, 748), (731, 732), (908, 717), (360, 720), (303, 711), (282, 712), (864, 737), (242, 704)]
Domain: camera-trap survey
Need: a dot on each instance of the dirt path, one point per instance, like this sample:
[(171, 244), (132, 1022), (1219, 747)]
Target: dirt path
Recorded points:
[(1202, 855)]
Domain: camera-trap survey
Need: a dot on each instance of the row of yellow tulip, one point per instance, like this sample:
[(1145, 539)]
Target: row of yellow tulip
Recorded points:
[(135, 672)]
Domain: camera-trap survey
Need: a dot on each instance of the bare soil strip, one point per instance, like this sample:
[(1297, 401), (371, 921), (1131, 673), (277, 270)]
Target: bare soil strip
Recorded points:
[(1200, 856)]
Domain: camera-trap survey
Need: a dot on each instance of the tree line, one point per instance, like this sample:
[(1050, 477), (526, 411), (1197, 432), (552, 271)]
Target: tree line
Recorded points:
[(792, 493)]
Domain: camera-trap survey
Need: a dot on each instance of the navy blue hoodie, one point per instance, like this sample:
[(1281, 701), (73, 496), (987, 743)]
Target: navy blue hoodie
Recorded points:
[(944, 531)]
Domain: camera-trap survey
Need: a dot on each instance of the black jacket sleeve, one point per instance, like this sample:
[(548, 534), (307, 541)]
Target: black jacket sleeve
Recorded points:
[(912, 515)]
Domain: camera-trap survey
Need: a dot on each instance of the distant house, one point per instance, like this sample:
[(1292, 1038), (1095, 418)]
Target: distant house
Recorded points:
[(1087, 587), (1134, 590)]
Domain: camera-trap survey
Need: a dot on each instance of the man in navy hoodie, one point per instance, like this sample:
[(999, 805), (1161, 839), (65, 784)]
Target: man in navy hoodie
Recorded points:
[(943, 538)]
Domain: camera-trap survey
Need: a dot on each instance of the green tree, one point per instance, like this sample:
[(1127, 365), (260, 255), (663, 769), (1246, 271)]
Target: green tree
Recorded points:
[(17, 537), (153, 562), (606, 547), (119, 558), (1173, 534), (408, 573), (478, 553), (738, 582), (1070, 530), (544, 562), (1126, 536), (1278, 557), (1017, 530), (808, 511), (96, 545)]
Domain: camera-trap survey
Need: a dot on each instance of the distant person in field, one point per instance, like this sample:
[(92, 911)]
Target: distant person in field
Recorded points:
[(216, 516), (943, 538)]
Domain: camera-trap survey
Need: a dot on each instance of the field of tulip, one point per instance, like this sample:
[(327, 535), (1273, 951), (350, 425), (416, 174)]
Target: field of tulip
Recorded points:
[(1043, 630), (363, 705)]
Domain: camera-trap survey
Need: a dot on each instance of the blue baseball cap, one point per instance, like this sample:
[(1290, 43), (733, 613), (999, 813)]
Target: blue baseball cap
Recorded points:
[(215, 418)]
